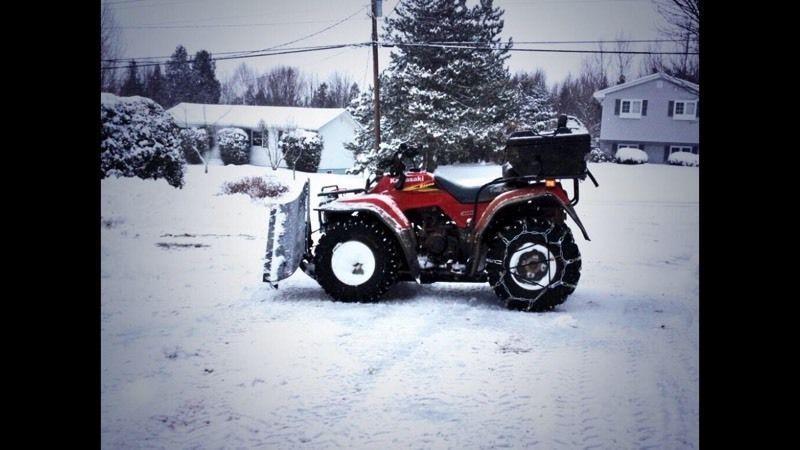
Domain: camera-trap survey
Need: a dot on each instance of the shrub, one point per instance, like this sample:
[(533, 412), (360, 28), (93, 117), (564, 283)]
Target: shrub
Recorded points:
[(233, 146), (302, 150), (139, 139), (194, 139), (629, 155), (684, 159), (597, 155), (255, 187)]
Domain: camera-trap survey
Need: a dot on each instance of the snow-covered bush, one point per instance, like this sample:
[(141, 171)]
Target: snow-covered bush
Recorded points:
[(597, 155), (255, 187), (139, 139), (630, 155), (233, 146), (301, 150), (684, 159), (194, 141)]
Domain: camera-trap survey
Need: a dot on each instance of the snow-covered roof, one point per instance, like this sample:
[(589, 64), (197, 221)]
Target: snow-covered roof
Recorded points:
[(109, 99), (249, 116), (599, 95)]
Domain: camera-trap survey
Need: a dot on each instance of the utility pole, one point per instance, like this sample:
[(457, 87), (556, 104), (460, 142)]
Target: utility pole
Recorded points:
[(376, 12)]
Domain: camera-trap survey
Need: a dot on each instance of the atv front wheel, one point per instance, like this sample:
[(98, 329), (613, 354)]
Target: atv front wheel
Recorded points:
[(356, 260), (533, 265)]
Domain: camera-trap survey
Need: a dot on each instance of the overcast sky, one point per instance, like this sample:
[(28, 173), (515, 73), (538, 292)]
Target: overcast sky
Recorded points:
[(235, 25)]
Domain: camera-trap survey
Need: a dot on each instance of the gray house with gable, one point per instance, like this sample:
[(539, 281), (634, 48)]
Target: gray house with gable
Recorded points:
[(657, 113)]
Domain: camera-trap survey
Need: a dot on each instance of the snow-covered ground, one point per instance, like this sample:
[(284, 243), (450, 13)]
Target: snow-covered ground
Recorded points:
[(198, 352)]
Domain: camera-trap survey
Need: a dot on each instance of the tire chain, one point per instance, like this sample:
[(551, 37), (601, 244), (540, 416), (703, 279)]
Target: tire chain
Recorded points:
[(560, 255)]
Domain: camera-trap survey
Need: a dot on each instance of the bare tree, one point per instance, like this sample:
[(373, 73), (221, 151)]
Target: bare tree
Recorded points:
[(110, 47), (236, 87), (340, 89), (622, 60), (683, 24), (284, 86), (682, 17)]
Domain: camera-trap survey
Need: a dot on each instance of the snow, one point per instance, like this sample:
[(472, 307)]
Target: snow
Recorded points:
[(631, 155), (249, 116), (684, 159), (196, 351)]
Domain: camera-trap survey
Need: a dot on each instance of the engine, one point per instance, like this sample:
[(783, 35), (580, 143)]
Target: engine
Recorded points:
[(437, 237)]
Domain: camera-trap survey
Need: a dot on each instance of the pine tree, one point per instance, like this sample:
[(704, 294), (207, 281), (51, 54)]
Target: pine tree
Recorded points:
[(453, 103), (155, 88), (132, 85), (179, 79), (207, 88), (260, 97), (320, 98), (351, 95), (534, 105)]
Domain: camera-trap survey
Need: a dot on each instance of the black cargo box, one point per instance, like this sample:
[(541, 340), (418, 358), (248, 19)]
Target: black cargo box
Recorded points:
[(548, 155)]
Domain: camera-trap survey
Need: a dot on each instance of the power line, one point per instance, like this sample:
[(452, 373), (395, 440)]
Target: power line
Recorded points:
[(275, 51), (593, 41), (543, 50), (247, 52), (134, 4), (256, 55), (226, 25)]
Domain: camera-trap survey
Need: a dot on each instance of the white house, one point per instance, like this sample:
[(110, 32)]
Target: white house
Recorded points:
[(334, 125), (657, 113)]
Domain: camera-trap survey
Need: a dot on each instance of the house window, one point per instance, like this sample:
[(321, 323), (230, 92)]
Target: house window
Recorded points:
[(630, 109), (685, 110), (619, 146), (681, 148), (260, 138)]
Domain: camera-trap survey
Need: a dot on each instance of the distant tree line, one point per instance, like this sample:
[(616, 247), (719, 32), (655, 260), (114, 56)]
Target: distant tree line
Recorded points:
[(194, 80), (287, 86), (183, 80)]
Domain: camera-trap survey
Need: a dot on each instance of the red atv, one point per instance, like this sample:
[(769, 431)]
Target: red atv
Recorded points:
[(411, 225)]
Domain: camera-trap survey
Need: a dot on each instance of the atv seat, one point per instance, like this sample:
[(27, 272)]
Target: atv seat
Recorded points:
[(466, 194)]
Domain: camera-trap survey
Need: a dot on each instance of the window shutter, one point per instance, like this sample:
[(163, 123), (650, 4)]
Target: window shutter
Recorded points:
[(694, 149), (644, 107), (666, 152), (616, 107), (697, 109), (671, 107)]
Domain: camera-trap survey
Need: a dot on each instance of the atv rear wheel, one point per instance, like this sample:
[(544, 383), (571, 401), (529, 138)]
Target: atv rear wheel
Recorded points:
[(533, 265), (356, 260)]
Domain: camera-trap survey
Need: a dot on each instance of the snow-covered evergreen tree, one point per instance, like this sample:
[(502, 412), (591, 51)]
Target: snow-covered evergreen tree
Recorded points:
[(139, 139), (534, 105), (233, 146), (455, 104)]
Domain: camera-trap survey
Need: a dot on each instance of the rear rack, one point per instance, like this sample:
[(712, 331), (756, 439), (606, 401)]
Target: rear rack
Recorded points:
[(531, 179)]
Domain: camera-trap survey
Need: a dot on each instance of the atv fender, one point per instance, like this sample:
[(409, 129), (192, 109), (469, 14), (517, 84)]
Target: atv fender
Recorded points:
[(383, 208), (513, 198)]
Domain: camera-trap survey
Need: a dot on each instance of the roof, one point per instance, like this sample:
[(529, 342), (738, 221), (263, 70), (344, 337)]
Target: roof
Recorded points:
[(249, 116), (688, 85)]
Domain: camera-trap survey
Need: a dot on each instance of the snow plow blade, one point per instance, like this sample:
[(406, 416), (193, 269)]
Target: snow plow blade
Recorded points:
[(288, 237)]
